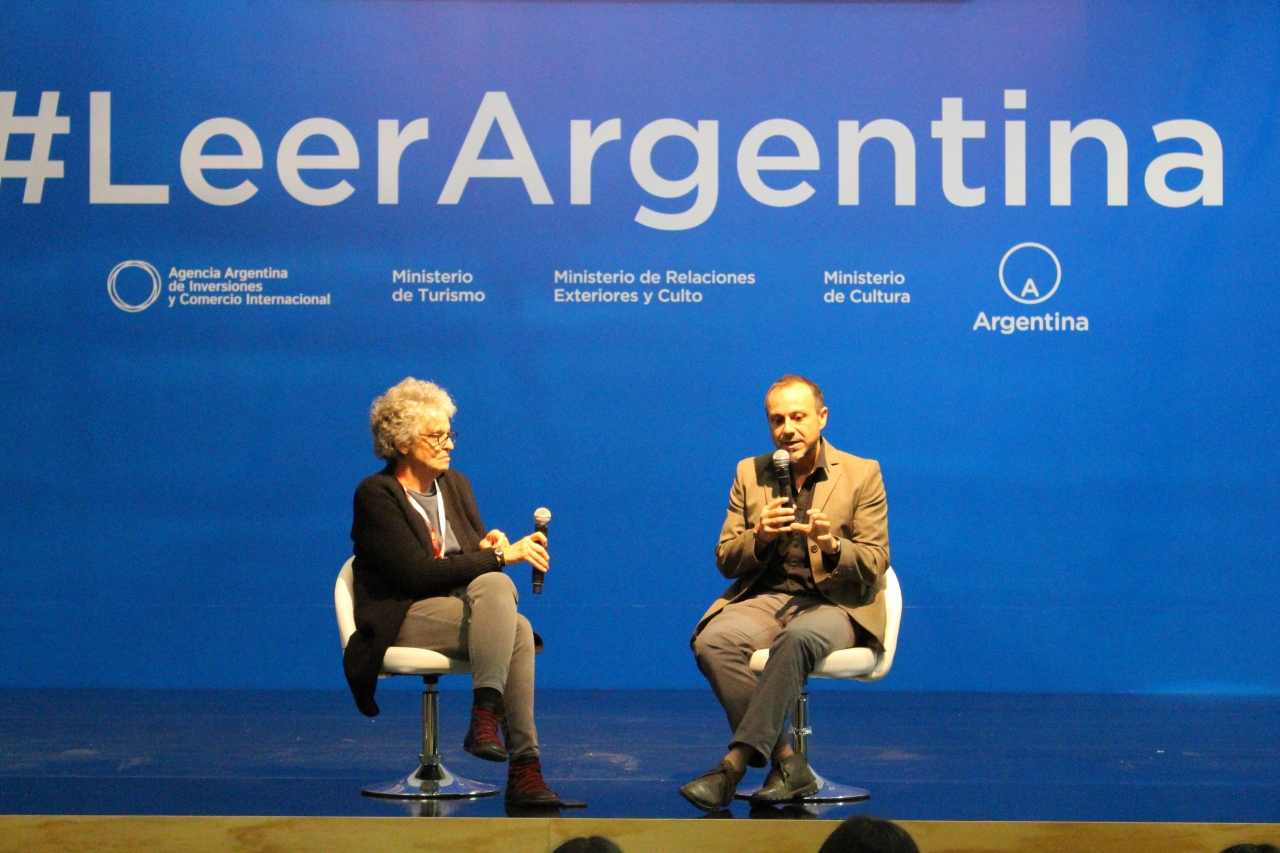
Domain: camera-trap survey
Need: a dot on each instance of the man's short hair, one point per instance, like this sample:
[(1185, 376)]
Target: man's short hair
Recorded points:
[(1252, 848), (863, 834), (795, 379)]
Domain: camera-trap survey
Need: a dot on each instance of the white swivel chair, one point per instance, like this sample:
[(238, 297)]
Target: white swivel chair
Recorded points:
[(861, 664), (431, 780)]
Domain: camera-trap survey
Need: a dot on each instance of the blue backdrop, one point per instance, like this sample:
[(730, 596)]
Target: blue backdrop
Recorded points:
[(1086, 510)]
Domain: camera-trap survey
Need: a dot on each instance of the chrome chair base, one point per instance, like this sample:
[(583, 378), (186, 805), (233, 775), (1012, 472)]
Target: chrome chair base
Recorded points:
[(432, 780), (431, 783)]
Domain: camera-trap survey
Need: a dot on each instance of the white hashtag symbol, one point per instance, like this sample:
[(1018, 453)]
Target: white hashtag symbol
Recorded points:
[(42, 127)]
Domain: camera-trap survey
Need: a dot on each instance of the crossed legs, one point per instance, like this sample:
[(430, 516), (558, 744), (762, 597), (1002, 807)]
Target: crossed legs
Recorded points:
[(482, 626)]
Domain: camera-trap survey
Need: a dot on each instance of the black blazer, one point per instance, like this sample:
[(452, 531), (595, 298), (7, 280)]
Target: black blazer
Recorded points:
[(394, 567)]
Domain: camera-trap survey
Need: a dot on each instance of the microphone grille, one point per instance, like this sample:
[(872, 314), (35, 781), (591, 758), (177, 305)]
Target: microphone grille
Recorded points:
[(781, 459), (541, 515)]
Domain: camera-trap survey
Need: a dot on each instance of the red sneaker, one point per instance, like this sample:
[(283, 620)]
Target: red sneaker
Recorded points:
[(483, 740), (526, 787)]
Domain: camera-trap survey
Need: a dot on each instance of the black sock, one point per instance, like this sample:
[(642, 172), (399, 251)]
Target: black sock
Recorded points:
[(488, 699)]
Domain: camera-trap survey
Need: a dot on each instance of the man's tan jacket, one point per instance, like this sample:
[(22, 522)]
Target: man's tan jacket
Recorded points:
[(853, 499)]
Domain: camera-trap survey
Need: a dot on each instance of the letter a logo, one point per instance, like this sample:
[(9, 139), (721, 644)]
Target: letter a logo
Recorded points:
[(1031, 294)]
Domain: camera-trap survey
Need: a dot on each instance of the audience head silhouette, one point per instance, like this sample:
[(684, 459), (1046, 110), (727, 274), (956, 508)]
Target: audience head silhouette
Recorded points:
[(588, 844), (862, 834)]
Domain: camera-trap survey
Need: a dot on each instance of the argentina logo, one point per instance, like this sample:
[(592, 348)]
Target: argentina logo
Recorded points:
[(1039, 272)]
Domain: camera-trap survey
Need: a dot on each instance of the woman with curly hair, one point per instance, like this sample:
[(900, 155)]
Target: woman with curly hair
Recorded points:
[(428, 575)]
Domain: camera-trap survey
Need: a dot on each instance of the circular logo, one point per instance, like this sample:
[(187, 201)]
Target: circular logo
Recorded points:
[(1030, 289), (155, 286)]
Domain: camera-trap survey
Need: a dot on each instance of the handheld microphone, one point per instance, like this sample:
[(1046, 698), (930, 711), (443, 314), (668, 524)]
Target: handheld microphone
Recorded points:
[(782, 470), (541, 518)]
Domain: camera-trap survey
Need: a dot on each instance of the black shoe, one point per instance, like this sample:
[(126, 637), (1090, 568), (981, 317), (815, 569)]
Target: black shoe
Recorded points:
[(714, 789), (482, 738), (789, 779), (526, 788)]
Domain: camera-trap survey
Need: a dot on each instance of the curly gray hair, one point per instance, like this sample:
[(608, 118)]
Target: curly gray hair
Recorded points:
[(396, 417)]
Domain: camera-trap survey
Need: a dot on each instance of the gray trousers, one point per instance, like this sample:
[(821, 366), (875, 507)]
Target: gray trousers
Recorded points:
[(481, 625), (798, 631)]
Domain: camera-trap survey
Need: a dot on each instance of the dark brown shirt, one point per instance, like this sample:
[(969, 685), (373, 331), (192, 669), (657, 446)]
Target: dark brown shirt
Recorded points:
[(788, 555)]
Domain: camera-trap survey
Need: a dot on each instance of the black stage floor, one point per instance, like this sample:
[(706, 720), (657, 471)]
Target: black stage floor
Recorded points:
[(924, 756)]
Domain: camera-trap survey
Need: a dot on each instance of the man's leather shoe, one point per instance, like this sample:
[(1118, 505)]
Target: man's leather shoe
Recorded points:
[(714, 789), (482, 738), (789, 779), (526, 788)]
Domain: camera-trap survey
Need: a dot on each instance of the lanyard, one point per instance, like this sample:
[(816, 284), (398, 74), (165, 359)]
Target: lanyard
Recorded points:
[(444, 524)]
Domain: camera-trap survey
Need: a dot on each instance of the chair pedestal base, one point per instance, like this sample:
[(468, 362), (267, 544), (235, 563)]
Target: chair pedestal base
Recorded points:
[(432, 780), (828, 792), (431, 783)]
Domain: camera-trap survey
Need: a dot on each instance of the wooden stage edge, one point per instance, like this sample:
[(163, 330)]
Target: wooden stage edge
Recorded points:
[(127, 834)]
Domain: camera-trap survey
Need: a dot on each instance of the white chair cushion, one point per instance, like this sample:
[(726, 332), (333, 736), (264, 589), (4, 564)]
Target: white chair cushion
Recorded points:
[(861, 663), (846, 663), (399, 660), (403, 660)]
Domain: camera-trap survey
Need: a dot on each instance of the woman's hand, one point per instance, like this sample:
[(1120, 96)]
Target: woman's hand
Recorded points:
[(495, 539), (532, 549)]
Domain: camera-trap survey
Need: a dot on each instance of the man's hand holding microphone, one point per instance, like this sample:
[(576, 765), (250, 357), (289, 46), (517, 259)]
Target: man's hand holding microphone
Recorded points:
[(780, 515), (778, 518)]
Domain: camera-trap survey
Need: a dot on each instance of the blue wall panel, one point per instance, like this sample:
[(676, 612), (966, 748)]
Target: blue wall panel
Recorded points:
[(1070, 510)]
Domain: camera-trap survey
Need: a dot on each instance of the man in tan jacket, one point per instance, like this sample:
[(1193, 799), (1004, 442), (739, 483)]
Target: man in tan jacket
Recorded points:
[(808, 580)]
